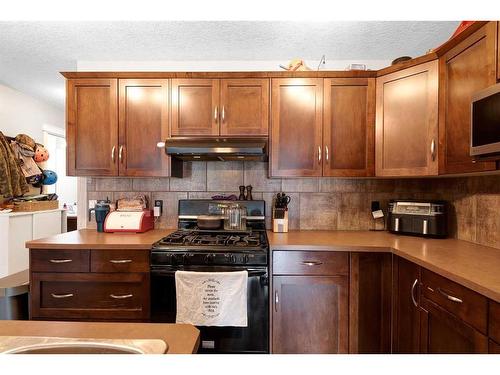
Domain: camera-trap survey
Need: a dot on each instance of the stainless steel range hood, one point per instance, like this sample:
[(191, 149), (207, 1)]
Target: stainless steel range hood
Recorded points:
[(217, 149)]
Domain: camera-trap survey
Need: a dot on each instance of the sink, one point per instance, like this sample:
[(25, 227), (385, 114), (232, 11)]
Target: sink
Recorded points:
[(75, 348), (52, 345)]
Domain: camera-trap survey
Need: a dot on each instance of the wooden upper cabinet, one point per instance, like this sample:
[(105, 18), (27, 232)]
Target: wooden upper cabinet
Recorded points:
[(244, 107), (407, 122), (296, 127), (195, 107), (92, 127), (310, 314), (464, 70), (349, 127), (498, 50), (143, 122)]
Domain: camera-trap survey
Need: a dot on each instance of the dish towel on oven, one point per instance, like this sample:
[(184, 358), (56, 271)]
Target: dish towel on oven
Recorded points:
[(212, 298)]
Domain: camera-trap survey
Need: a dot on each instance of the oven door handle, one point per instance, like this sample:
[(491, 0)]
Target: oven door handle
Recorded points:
[(251, 272)]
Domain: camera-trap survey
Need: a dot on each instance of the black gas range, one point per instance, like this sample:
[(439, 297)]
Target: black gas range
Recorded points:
[(192, 249)]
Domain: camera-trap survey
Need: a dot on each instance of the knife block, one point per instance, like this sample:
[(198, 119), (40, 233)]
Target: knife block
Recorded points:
[(280, 220)]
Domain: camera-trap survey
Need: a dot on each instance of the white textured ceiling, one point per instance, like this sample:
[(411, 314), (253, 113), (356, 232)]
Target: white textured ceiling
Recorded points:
[(32, 53)]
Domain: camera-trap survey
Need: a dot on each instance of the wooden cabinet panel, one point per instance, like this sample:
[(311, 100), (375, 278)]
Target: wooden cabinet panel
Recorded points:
[(494, 319), (407, 122), (406, 317), (464, 303), (59, 260), (494, 348), (349, 127), (195, 107), (244, 107), (464, 70), (90, 296), (92, 127), (296, 127), (143, 122), (370, 302), (444, 333), (119, 261), (498, 50), (310, 314), (310, 263)]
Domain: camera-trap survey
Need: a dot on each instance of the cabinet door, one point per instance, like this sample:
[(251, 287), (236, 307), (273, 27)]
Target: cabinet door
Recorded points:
[(143, 123), (195, 107), (444, 333), (349, 127), (406, 325), (92, 127), (244, 107), (498, 50), (464, 70), (296, 127), (407, 122), (310, 314)]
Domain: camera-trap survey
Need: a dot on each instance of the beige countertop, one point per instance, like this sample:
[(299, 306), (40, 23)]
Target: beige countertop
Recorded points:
[(180, 338), (474, 266)]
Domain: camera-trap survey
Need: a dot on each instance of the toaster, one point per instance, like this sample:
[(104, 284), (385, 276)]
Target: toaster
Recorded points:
[(420, 218)]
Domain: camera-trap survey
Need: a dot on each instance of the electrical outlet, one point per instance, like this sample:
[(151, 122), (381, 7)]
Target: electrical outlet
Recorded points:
[(158, 208), (92, 203)]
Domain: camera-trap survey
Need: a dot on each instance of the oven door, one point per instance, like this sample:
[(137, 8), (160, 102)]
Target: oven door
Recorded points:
[(251, 339)]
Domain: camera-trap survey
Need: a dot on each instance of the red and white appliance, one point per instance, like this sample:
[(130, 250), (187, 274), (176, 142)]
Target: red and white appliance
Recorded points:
[(129, 221)]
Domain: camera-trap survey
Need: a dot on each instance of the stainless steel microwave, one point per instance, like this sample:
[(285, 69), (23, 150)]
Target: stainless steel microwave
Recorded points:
[(485, 123)]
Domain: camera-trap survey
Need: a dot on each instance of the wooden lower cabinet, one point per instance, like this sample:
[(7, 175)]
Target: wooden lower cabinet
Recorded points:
[(310, 314), (406, 314), (443, 333), (90, 285)]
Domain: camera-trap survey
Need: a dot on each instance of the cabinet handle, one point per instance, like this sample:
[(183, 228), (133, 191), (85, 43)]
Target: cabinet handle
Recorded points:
[(60, 261), (451, 298), (319, 154), (433, 150), (121, 296), (120, 154), (327, 156), (113, 153), (120, 261), (216, 116), (413, 299), (276, 301), (62, 295), (312, 263), (223, 113)]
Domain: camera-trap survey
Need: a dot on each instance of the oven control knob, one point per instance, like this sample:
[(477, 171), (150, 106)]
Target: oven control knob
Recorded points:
[(209, 258), (245, 258), (232, 259)]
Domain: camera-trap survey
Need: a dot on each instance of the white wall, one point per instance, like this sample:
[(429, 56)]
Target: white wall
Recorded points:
[(21, 113)]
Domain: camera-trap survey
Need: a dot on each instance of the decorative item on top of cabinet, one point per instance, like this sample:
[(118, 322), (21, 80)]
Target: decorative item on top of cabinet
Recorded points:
[(195, 107), (143, 122), (310, 302), (296, 127), (92, 127), (244, 107), (407, 122), (349, 127), (464, 70)]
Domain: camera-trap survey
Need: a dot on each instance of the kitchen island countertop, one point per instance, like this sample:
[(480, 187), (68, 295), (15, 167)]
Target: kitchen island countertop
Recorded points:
[(180, 338)]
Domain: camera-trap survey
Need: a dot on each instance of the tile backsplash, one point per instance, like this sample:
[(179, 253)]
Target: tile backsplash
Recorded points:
[(319, 203)]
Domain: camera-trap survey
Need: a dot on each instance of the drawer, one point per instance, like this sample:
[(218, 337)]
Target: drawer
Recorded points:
[(462, 302), (119, 261), (494, 314), (90, 296), (59, 260), (310, 263)]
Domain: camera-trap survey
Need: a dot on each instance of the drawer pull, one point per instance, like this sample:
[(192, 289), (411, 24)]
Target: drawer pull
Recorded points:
[(121, 296), (120, 261), (62, 295), (451, 298), (60, 261), (312, 263)]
